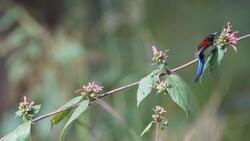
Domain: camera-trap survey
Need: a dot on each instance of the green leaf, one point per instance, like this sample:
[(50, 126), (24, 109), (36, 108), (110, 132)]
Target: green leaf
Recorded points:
[(179, 92), (21, 133), (18, 113), (145, 85), (215, 58), (206, 66), (164, 125), (78, 111), (220, 57), (147, 128), (60, 116), (35, 109)]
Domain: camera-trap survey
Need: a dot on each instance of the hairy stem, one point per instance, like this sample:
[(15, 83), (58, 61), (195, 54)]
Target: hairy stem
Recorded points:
[(123, 87)]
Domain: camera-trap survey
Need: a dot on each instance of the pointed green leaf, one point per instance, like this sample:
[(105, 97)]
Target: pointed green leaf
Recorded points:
[(221, 53), (147, 128), (211, 62), (206, 66), (18, 113), (215, 58), (21, 133), (78, 111), (179, 92), (145, 85), (60, 116), (35, 109), (164, 125)]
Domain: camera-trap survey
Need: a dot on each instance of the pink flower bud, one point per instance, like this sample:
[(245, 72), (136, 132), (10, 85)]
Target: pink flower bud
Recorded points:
[(158, 114), (228, 37), (233, 38), (24, 99), (159, 56), (154, 50), (91, 88)]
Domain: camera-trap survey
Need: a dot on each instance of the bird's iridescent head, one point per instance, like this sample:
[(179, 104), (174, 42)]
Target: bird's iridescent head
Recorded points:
[(211, 36)]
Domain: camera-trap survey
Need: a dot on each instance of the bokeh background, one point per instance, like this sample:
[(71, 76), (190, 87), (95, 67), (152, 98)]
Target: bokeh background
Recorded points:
[(49, 48)]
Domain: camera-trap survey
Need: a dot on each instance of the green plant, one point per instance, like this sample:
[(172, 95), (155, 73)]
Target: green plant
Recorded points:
[(164, 80)]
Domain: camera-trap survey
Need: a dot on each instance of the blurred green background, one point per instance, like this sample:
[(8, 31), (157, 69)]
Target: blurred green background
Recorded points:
[(49, 48)]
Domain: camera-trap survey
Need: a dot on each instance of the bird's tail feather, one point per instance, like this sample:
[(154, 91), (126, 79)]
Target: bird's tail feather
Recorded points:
[(201, 61)]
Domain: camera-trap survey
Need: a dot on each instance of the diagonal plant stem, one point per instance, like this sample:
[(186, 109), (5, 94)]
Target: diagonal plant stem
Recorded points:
[(243, 37), (157, 131), (74, 106), (122, 88), (109, 93)]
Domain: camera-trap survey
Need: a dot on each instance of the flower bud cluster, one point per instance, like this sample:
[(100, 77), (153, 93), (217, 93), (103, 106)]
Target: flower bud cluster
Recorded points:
[(26, 109), (159, 57), (91, 90), (228, 37), (161, 87), (158, 114)]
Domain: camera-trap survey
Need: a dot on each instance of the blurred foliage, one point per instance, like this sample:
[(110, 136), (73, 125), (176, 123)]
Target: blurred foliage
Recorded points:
[(49, 48)]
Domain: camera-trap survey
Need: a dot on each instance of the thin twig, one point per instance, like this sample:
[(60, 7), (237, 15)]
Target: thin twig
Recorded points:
[(118, 89), (53, 113), (121, 88), (184, 66), (242, 37)]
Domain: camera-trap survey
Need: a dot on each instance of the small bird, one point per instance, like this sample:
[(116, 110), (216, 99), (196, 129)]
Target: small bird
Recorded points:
[(204, 45)]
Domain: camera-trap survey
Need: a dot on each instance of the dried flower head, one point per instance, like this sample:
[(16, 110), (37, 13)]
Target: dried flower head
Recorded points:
[(159, 57), (158, 114), (89, 90), (228, 37)]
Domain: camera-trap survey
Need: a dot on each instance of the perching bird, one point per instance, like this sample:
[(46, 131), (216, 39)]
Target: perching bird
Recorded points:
[(204, 45)]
